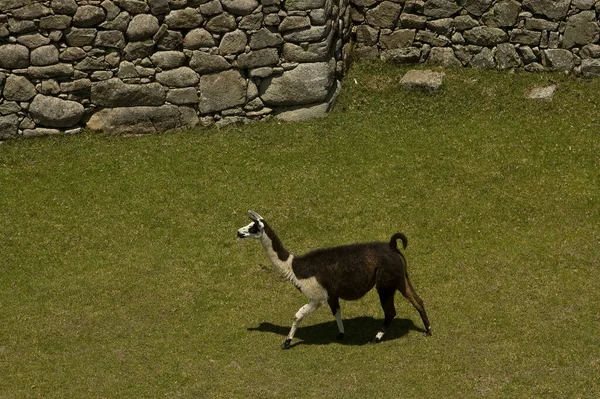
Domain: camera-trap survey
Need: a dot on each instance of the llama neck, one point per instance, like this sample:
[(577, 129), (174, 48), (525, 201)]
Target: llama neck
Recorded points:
[(277, 254)]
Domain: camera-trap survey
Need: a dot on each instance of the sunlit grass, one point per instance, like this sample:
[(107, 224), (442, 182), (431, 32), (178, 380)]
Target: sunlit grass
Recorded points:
[(121, 275)]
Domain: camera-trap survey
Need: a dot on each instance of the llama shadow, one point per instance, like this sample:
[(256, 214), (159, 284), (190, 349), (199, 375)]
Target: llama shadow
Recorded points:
[(359, 331)]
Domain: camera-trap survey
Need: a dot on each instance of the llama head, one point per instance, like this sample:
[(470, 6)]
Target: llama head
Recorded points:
[(254, 229)]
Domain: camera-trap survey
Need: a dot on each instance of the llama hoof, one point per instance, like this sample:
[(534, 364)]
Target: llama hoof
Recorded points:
[(340, 336), (427, 333), (375, 341), (286, 344)]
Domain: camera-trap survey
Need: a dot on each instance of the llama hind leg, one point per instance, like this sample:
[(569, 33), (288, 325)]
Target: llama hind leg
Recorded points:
[(409, 293), (300, 315), (386, 297), (334, 305)]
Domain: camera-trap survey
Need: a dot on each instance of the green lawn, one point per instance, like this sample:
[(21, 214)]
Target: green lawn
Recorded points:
[(121, 277)]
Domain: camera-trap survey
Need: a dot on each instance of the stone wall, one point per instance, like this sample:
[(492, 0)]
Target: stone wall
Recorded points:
[(139, 66), (535, 35)]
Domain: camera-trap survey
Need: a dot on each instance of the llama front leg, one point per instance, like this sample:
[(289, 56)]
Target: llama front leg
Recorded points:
[(300, 315), (334, 305)]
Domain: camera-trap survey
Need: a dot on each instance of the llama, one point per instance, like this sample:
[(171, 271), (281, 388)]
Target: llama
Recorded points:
[(346, 272)]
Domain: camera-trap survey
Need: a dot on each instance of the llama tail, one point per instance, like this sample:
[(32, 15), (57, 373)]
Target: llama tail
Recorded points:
[(395, 237)]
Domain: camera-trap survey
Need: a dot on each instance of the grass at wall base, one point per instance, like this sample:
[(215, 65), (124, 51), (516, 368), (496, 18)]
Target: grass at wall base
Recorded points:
[(122, 277)]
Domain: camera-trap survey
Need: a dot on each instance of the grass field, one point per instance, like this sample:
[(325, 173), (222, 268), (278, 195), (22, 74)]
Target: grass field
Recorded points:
[(121, 277)]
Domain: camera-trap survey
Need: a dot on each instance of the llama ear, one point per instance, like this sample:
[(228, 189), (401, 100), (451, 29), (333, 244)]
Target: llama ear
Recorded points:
[(254, 216)]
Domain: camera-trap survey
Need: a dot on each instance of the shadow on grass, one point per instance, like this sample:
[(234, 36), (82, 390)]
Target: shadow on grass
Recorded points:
[(359, 331)]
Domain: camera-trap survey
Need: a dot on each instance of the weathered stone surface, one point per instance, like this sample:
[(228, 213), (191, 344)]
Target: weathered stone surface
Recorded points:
[(55, 112), (18, 88), (221, 23), (440, 8), (211, 7), (88, 16), (541, 93), (558, 59), (33, 40), (110, 38), (67, 7), (506, 56), (443, 56), (296, 5), (476, 7), (142, 27), (186, 95), (31, 11), (526, 37), (221, 90), (384, 15), (197, 38), (170, 41), (233, 42), (168, 59), (503, 14), (14, 56), (138, 50), (179, 77), (398, 39), (55, 22), (314, 52), (485, 36), (114, 93), (464, 22), (62, 70), (484, 59), (408, 55), (79, 37), (186, 18), (581, 29), (258, 58), (553, 9), (264, 38), (307, 83), (590, 68), (158, 7), (9, 126), (143, 120), (422, 80), (44, 55), (134, 6), (293, 22), (240, 7), (205, 63)]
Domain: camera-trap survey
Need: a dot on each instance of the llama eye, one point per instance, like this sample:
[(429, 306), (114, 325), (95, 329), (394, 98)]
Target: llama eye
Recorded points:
[(254, 229)]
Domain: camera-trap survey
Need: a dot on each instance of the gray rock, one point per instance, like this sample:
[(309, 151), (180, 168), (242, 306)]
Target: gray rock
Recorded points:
[(212, 7), (525, 37), (240, 7), (476, 7), (398, 39), (135, 6), (296, 5), (87, 16), (221, 23), (314, 52), (9, 126), (114, 93), (485, 36), (553, 9), (440, 8), (409, 55), (138, 50), (443, 56), (21, 26), (251, 22), (62, 70), (258, 58), (31, 11), (40, 132), (13, 56), (205, 63), (581, 29), (34, 40), (168, 59), (45, 55), (170, 41), (558, 59), (186, 18), (72, 54), (79, 37), (384, 15), (18, 88), (484, 59), (55, 112), (264, 38), (158, 7), (55, 22), (422, 80), (312, 34), (464, 22), (590, 51), (186, 95), (503, 14), (120, 22), (110, 38), (443, 26), (221, 91), (506, 56), (67, 7), (142, 27), (233, 42), (307, 83), (412, 21), (369, 36), (143, 120), (590, 68), (541, 93), (179, 77), (197, 38), (540, 24), (293, 22)]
